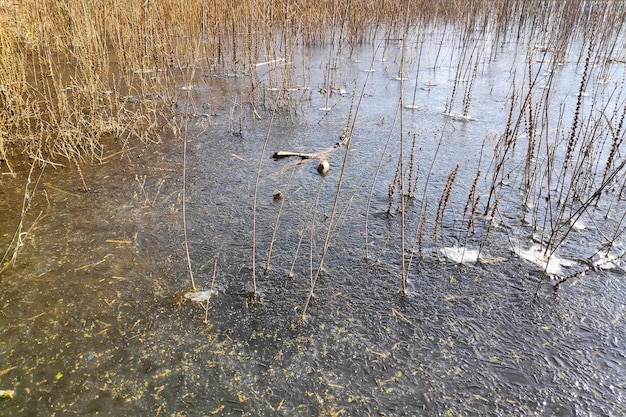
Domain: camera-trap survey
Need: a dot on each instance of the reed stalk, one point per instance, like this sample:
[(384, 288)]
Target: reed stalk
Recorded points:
[(254, 204), (443, 201), (374, 182)]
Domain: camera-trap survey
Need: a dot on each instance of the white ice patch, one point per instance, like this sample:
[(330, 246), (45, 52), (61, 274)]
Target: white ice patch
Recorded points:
[(579, 225), (608, 261), (551, 264), (460, 255), (200, 296)]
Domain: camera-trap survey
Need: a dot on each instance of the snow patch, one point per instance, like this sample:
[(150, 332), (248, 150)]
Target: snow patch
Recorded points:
[(460, 255), (609, 261), (550, 263)]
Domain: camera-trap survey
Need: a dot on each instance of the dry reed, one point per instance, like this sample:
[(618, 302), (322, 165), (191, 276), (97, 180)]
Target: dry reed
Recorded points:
[(70, 67)]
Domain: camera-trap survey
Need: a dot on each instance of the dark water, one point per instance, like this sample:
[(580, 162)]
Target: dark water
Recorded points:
[(93, 320)]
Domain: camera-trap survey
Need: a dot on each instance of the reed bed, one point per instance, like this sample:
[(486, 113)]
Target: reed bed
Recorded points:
[(74, 72)]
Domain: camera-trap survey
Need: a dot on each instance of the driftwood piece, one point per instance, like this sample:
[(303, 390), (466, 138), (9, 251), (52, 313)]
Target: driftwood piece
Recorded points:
[(324, 165), (285, 154)]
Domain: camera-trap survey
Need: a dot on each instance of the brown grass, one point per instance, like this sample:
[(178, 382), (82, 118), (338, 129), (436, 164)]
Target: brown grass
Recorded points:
[(74, 72)]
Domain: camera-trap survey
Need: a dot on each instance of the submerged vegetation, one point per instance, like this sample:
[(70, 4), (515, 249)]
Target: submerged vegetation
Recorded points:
[(76, 75)]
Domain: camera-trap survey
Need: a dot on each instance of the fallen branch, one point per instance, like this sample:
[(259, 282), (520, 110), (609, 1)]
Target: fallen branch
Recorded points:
[(285, 154)]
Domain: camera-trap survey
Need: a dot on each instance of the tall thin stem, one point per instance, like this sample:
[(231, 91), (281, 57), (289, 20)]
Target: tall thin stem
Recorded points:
[(254, 204), (184, 206), (402, 193)]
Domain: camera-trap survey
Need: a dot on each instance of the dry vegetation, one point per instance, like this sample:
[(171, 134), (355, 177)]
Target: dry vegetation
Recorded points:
[(74, 71)]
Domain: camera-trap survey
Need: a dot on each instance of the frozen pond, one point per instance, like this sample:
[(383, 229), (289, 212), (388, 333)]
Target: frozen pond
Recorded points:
[(93, 315)]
